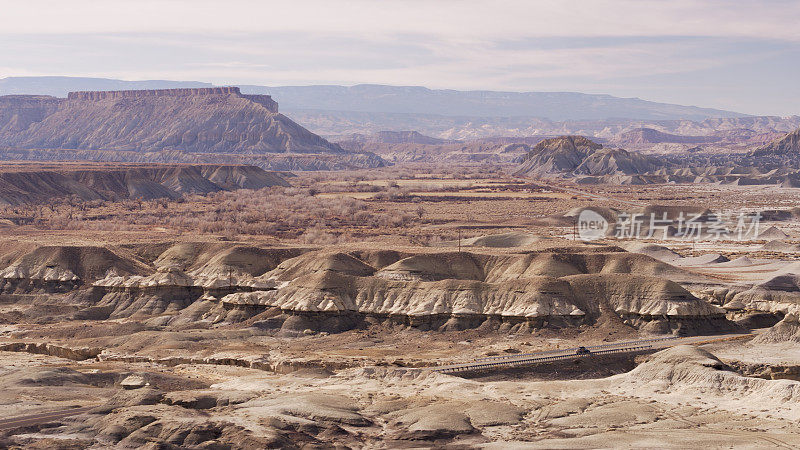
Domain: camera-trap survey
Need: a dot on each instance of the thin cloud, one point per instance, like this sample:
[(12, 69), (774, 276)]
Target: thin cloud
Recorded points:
[(775, 19), (600, 46)]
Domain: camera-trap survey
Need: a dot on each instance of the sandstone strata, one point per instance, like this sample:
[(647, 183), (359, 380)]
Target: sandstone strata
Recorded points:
[(32, 184)]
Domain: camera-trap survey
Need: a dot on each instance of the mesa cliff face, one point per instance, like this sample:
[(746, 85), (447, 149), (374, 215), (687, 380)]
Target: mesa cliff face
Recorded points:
[(199, 120), (18, 112)]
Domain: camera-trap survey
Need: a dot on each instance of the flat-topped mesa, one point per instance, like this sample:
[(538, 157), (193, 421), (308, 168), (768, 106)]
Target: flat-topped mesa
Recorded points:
[(102, 95), (263, 100), (194, 121)]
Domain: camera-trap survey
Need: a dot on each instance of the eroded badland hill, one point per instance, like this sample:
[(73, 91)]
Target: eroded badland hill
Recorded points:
[(179, 295), (322, 314)]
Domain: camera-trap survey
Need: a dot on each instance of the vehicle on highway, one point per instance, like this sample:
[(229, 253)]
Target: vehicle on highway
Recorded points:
[(582, 351)]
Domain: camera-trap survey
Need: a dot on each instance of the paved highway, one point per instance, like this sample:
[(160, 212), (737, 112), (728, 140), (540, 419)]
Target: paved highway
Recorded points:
[(522, 359)]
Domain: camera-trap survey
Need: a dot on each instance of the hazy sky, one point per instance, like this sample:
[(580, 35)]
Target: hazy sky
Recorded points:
[(737, 55)]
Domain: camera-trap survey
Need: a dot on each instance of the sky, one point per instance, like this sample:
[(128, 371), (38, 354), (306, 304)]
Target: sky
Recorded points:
[(737, 55)]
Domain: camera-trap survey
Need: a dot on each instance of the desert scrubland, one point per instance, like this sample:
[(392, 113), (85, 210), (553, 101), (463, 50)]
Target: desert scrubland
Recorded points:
[(222, 277)]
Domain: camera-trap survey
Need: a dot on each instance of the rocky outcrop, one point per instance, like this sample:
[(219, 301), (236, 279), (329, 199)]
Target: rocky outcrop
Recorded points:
[(76, 354), (579, 156), (464, 290), (787, 330), (61, 268), (186, 275), (615, 161), (295, 291), (788, 145), (535, 300), (558, 155), (587, 162)]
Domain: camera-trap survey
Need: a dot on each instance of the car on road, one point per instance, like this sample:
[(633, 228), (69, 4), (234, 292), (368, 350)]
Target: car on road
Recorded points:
[(582, 351)]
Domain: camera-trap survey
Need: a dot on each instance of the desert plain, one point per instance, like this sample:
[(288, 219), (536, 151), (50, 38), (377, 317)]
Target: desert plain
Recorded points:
[(313, 313)]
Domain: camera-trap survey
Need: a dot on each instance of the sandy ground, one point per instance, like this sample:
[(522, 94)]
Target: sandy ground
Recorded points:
[(231, 386), (671, 400)]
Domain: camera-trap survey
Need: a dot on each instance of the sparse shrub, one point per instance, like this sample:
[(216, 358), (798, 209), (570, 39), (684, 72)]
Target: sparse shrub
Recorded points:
[(318, 236)]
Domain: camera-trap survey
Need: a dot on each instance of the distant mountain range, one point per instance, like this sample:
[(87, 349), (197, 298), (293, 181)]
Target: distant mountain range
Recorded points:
[(336, 112), (420, 100), (372, 98)]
